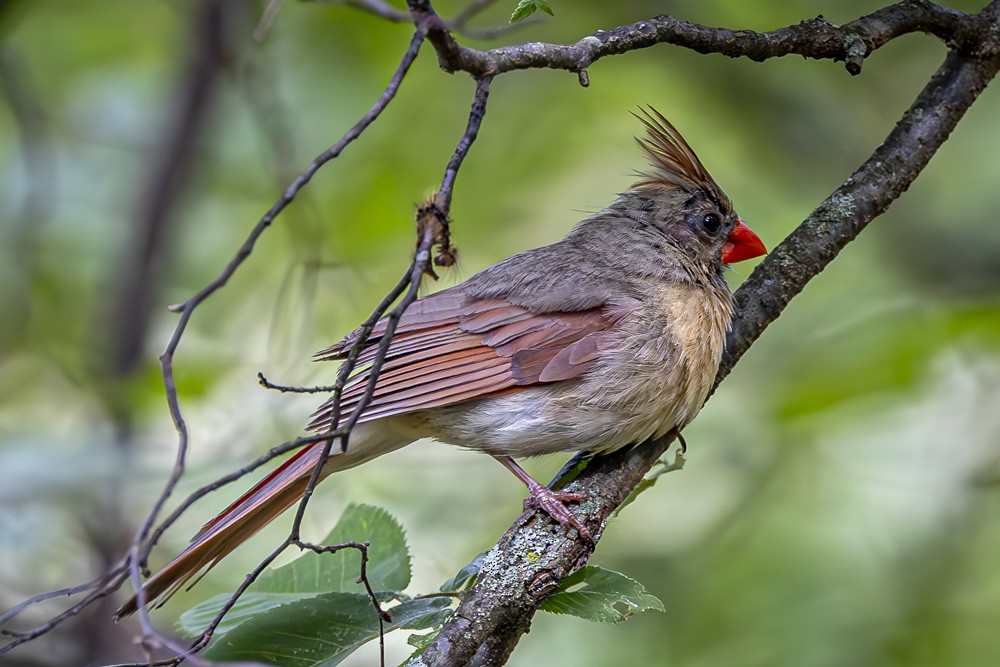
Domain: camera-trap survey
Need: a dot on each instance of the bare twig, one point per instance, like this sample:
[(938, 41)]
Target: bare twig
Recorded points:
[(319, 389), (133, 298), (187, 308), (140, 553), (465, 143), (144, 540), (99, 588), (429, 236), (62, 592)]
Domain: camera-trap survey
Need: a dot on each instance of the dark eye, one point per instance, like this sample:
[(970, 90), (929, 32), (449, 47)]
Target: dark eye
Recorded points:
[(711, 223)]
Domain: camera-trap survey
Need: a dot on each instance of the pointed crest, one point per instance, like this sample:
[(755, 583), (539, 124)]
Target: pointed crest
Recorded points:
[(674, 163)]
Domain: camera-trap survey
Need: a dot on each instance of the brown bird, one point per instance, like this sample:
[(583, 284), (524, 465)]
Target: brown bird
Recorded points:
[(599, 341)]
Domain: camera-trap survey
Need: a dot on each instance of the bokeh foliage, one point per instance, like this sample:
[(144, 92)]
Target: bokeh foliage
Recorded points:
[(840, 501)]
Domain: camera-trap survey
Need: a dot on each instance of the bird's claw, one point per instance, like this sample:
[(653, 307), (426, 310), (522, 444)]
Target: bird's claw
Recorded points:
[(553, 504)]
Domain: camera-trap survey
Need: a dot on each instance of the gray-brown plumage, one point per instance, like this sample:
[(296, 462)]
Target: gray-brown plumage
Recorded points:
[(603, 339)]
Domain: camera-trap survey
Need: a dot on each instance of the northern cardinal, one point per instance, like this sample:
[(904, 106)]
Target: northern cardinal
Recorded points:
[(599, 341)]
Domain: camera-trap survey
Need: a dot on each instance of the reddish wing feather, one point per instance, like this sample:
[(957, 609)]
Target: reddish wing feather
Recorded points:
[(446, 351), (425, 313)]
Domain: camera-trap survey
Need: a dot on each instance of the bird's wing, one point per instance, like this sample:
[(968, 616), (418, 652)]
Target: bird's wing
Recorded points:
[(448, 348)]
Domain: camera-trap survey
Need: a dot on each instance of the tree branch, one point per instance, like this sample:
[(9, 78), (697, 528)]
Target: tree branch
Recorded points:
[(498, 610), (813, 38)]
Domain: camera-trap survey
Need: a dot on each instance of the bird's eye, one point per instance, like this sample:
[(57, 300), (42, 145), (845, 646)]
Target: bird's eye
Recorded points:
[(711, 223)]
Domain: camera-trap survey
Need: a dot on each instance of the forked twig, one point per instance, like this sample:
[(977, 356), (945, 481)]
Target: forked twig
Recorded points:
[(146, 538), (431, 234)]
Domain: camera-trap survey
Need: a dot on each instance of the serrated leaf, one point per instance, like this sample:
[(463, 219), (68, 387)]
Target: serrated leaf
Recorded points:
[(526, 8), (601, 595), (320, 630), (466, 577), (388, 558), (312, 574)]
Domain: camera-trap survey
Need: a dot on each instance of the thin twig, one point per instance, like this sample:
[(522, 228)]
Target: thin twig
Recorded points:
[(476, 115), (144, 539), (421, 263), (289, 389), (111, 582), (99, 582), (187, 308)]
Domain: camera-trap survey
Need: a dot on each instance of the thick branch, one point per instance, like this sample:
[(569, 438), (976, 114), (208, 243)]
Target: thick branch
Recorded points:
[(814, 38), (487, 625)]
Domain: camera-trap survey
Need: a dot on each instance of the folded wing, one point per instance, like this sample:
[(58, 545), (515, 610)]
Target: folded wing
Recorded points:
[(447, 349)]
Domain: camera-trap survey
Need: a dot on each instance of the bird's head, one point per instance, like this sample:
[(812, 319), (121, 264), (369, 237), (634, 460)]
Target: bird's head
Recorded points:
[(689, 208)]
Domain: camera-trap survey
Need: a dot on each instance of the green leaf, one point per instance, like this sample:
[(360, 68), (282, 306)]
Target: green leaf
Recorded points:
[(465, 578), (421, 642), (320, 630), (526, 8), (571, 470), (312, 574), (194, 621), (600, 595), (388, 558)]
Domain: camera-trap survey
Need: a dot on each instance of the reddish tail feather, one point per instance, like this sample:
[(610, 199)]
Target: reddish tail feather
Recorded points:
[(233, 526)]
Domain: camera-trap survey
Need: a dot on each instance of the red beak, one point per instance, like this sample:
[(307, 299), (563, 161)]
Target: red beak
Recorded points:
[(742, 244)]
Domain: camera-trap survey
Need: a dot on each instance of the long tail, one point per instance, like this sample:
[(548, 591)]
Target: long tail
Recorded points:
[(254, 510)]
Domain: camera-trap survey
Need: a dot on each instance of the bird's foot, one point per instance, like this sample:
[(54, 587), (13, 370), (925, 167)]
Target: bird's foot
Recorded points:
[(553, 503)]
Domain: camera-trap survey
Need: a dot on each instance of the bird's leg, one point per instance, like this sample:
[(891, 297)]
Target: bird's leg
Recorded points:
[(552, 502)]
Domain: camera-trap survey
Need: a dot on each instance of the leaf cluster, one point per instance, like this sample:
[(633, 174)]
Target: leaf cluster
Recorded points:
[(313, 611)]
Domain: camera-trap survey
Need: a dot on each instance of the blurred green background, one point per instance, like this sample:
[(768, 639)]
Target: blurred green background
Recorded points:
[(841, 500)]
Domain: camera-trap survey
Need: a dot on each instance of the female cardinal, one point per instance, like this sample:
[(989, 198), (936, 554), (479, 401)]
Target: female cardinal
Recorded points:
[(599, 341)]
